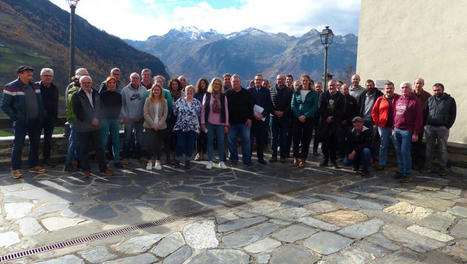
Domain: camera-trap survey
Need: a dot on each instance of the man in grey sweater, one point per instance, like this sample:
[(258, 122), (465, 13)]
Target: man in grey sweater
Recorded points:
[(132, 114)]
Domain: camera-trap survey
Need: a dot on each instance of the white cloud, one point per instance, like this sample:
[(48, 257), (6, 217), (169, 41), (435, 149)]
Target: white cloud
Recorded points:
[(294, 17)]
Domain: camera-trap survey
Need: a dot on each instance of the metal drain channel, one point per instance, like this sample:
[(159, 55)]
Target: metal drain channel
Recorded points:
[(167, 220), (88, 238)]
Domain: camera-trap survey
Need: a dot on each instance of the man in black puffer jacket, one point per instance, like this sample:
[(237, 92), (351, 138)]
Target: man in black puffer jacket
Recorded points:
[(439, 115), (358, 142)]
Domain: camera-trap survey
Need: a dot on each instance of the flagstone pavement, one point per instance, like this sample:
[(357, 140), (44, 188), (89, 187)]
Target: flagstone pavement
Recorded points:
[(259, 214)]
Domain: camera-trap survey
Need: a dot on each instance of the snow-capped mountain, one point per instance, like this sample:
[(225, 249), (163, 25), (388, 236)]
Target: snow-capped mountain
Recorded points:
[(197, 53)]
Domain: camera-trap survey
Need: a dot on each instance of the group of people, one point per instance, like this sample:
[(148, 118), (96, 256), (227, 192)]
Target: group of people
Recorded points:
[(183, 121)]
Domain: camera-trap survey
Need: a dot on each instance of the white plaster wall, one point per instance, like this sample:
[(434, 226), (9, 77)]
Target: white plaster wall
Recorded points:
[(400, 40)]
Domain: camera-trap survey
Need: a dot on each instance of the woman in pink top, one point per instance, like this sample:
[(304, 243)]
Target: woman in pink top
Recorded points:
[(215, 120)]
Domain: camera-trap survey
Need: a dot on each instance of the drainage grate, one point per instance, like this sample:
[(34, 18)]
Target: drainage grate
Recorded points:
[(92, 237)]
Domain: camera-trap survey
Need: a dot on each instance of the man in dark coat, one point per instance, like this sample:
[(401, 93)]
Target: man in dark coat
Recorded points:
[(262, 109), (331, 108)]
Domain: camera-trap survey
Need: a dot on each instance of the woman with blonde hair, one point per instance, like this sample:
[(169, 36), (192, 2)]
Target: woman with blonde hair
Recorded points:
[(155, 116), (215, 119)]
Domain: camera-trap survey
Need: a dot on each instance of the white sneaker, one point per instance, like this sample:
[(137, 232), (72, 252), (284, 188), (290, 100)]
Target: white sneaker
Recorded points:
[(222, 165), (158, 166), (209, 165), (149, 166), (198, 157)]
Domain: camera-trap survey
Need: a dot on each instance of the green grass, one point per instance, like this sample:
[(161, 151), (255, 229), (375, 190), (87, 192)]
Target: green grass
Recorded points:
[(16, 56), (5, 133)]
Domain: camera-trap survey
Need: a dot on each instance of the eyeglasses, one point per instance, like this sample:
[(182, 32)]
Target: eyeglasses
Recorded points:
[(48, 75)]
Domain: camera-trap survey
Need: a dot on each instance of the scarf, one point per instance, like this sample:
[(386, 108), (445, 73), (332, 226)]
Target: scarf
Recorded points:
[(216, 103)]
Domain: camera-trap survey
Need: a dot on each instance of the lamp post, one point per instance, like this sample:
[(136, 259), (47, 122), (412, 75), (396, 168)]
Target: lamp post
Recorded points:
[(326, 39), (72, 4)]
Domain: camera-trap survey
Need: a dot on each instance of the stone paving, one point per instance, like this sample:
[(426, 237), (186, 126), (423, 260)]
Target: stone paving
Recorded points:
[(260, 214)]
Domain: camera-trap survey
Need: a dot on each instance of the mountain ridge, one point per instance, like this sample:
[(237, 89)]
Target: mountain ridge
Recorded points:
[(248, 52), (36, 32)]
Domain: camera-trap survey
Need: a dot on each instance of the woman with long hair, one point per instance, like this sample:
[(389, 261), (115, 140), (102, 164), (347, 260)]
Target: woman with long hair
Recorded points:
[(155, 115), (186, 110), (201, 140), (304, 107), (175, 89), (215, 119)]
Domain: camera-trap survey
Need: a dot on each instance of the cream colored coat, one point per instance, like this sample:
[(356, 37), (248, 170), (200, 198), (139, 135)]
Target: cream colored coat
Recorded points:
[(150, 114)]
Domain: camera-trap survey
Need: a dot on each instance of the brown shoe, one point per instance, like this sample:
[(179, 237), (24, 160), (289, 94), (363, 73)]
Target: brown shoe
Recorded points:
[(16, 174), (295, 162), (406, 180), (86, 174), (302, 163), (37, 170), (107, 173)]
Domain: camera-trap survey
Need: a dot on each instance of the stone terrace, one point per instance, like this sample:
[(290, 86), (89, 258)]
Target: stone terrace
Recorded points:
[(261, 214)]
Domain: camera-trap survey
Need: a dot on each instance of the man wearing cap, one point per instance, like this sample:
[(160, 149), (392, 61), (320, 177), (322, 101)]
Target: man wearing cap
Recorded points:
[(358, 142), (22, 102)]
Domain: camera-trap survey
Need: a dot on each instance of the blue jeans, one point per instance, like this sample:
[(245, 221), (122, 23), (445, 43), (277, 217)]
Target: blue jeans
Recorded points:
[(218, 130), (33, 129), (385, 135), (137, 127), (244, 132), (112, 127), (402, 140), (73, 145), (185, 144), (279, 131), (362, 157)]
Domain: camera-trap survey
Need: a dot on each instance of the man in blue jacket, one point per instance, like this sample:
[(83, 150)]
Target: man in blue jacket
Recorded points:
[(259, 128), (22, 102)]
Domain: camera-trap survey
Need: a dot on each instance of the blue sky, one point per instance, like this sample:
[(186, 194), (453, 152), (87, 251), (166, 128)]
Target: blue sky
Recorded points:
[(139, 19)]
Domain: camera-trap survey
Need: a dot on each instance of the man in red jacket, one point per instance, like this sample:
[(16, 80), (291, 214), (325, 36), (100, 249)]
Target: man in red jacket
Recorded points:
[(407, 125), (382, 115)]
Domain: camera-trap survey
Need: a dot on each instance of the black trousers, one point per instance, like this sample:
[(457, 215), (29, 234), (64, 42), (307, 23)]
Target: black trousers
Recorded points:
[(302, 132), (331, 141), (259, 134), (48, 125), (418, 152), (154, 140), (95, 137), (201, 143)]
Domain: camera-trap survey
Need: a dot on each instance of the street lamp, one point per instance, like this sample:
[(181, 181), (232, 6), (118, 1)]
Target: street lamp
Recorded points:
[(326, 39), (72, 4)]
